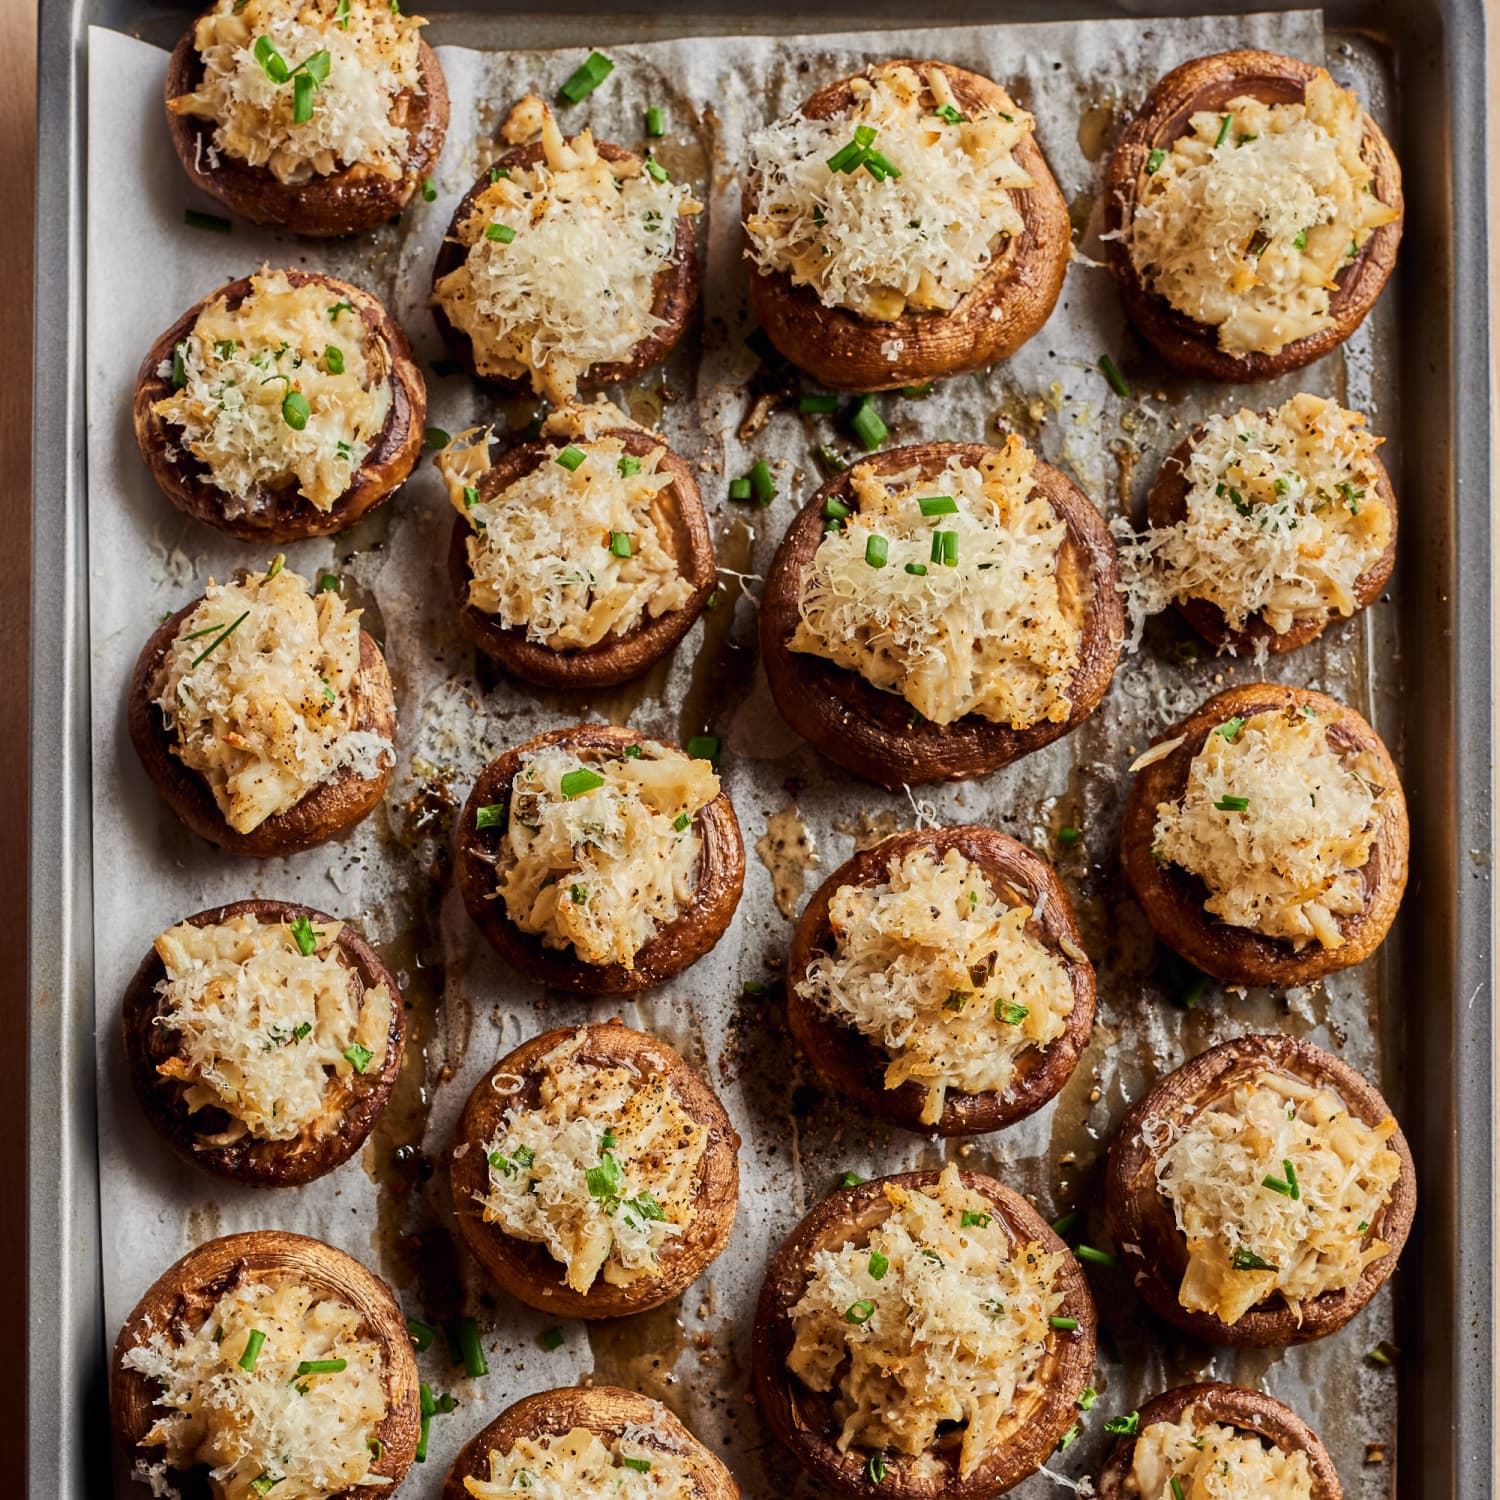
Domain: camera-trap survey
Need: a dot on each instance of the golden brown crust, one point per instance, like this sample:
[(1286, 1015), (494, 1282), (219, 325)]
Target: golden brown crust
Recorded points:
[(721, 877), (856, 1065), (1229, 1406), (875, 734), (1208, 83), (1166, 505), (191, 1286), (617, 658), (1145, 1228), (331, 808), (527, 1269), (674, 291), (802, 1418), (287, 517), (1016, 295), (1173, 899), (603, 1409), (344, 202), (351, 1106)]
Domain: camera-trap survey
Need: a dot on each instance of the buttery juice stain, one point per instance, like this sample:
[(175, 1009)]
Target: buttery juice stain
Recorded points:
[(641, 1354), (786, 850), (722, 670)]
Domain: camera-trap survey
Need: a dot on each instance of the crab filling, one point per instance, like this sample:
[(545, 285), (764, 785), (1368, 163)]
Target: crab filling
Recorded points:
[(585, 1465), (1204, 1460)]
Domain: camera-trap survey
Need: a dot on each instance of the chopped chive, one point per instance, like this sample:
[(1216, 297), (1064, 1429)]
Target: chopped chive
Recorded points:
[(1087, 1399), (302, 98), (471, 1351), (1010, 1012), (629, 466), (949, 114), (252, 1349), (1290, 1173), (265, 1482), (1064, 1325), (880, 166), (435, 437), (1067, 1223), (1383, 1354), (219, 639), (851, 1179), (333, 358), (1300, 243), (875, 1468), (969, 1219), (656, 122), (944, 548), (1362, 1226), (830, 460), (272, 63), (421, 1334), (868, 427), (320, 1367), (640, 1465), (196, 219), (503, 233), (551, 1338), (303, 935), (876, 550), (704, 747), (1068, 834), (619, 544), (1232, 804), (358, 1056), (916, 392), (1248, 1260), (656, 171), (835, 509), (1112, 375), (429, 191), (739, 489), (1092, 1257), (859, 1312), (1177, 1489), (1154, 161), (681, 821), (632, 752), (938, 505), (576, 783), (1230, 728), (1124, 1426), (878, 1265), (570, 458), (1224, 125), (1068, 1438), (762, 486), (471, 496), (301, 1031), (919, 570), (817, 404), (295, 410), (492, 815), (586, 77), (179, 364), (1276, 1185)]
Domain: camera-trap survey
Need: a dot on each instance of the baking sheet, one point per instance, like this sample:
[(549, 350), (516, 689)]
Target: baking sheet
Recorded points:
[(390, 876)]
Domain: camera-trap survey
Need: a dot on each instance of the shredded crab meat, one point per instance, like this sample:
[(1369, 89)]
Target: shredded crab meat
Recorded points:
[(944, 973), (585, 1465), (937, 1317), (1278, 824), (881, 244), (1245, 226), (1210, 1461), (994, 632), (1252, 1230)]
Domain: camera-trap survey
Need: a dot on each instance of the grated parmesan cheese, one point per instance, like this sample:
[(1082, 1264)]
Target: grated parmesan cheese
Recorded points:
[(1214, 1174), (240, 365), (308, 1437), (575, 285), (881, 246), (1210, 1461), (1248, 233), (544, 553), (602, 1171), (583, 1465), (994, 633), (952, 1329), (1287, 862), (261, 1028), (360, 108), (257, 688), (942, 973), (604, 869)]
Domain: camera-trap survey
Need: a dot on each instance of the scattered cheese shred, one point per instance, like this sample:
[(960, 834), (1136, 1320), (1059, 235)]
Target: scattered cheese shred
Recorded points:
[(583, 1465), (1210, 1461)]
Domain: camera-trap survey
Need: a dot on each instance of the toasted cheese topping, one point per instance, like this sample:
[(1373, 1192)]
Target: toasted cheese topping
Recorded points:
[(307, 1434), (602, 1169), (1210, 1461), (942, 972), (600, 850), (1278, 824), (266, 1020), (259, 687), (1275, 1186), (990, 626), (352, 63), (288, 391), (1284, 514), (912, 226), (938, 1317), (561, 259), (1246, 226), (582, 1465), (575, 551)]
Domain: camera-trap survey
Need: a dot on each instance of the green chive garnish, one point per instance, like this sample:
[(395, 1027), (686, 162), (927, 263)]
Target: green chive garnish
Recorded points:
[(640, 1465), (303, 935), (551, 1338), (1067, 1223), (619, 544), (1064, 1325), (875, 1468), (570, 458), (333, 358), (358, 1056), (704, 747), (471, 1352), (969, 1219), (1177, 1489), (1248, 1260), (762, 486), (851, 1179), (576, 783), (878, 1265), (1010, 1012), (1124, 1426), (295, 410), (656, 171), (1112, 375), (502, 233), (918, 569), (656, 122), (876, 549), (435, 437), (1232, 804), (179, 364), (252, 1349), (302, 98), (1092, 1257), (681, 821), (1224, 125), (1154, 161), (195, 219), (422, 1334), (859, 1312), (492, 815), (629, 466), (809, 405), (587, 77), (867, 425), (739, 489), (1069, 835), (219, 639), (320, 1367), (835, 509), (938, 505), (949, 114)]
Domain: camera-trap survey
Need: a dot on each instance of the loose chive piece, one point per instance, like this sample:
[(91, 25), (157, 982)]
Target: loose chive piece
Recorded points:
[(1276, 1185), (1069, 835), (1232, 804), (640, 1465), (948, 113), (851, 1179), (969, 1219), (1194, 992), (880, 166), (739, 489), (272, 63), (503, 233), (358, 1056), (435, 437), (595, 68), (704, 747), (421, 1334), (823, 404), (834, 509), (1067, 1223), (252, 1349), (429, 192), (876, 551), (219, 639), (304, 936), (656, 171), (1230, 728), (1248, 1260), (196, 219), (1112, 375), (849, 156), (656, 123), (492, 815), (830, 460), (1290, 1173), (619, 544), (1064, 1325), (302, 98), (762, 486), (551, 1338), (859, 1312), (295, 410), (878, 1265), (1126, 1426), (629, 466), (1224, 125), (265, 1482), (1154, 161), (471, 1351), (1068, 1438), (1011, 1013), (1300, 243), (570, 458), (681, 821), (1087, 1399), (1092, 1257), (471, 496), (916, 392), (1177, 1489), (632, 752), (918, 569), (576, 783), (1383, 1354), (938, 505), (333, 357), (875, 1468), (179, 364), (320, 1367), (867, 425)]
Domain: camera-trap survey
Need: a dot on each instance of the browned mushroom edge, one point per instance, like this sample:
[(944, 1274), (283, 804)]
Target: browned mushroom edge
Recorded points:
[(1173, 900), (617, 658), (351, 1106), (855, 1065), (1208, 83), (721, 877), (274, 1256), (1145, 1227), (803, 1419), (288, 516), (332, 807), (674, 292), (527, 1269), (1013, 299), (344, 202), (875, 734)]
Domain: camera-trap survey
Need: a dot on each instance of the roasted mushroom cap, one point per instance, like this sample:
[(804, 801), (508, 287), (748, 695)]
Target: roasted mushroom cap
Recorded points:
[(603, 1409), (1208, 83), (351, 1105), (332, 807), (856, 1065), (527, 1269), (721, 877), (1228, 1406), (1144, 1226), (1173, 900), (674, 291), (1166, 505), (1016, 295), (286, 515), (188, 1289), (343, 202), (874, 733), (617, 658), (803, 1418)]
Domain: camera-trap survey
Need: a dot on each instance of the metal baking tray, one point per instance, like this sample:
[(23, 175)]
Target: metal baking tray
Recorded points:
[(1434, 705)]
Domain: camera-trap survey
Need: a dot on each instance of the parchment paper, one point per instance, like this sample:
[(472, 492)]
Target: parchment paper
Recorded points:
[(390, 1207)]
